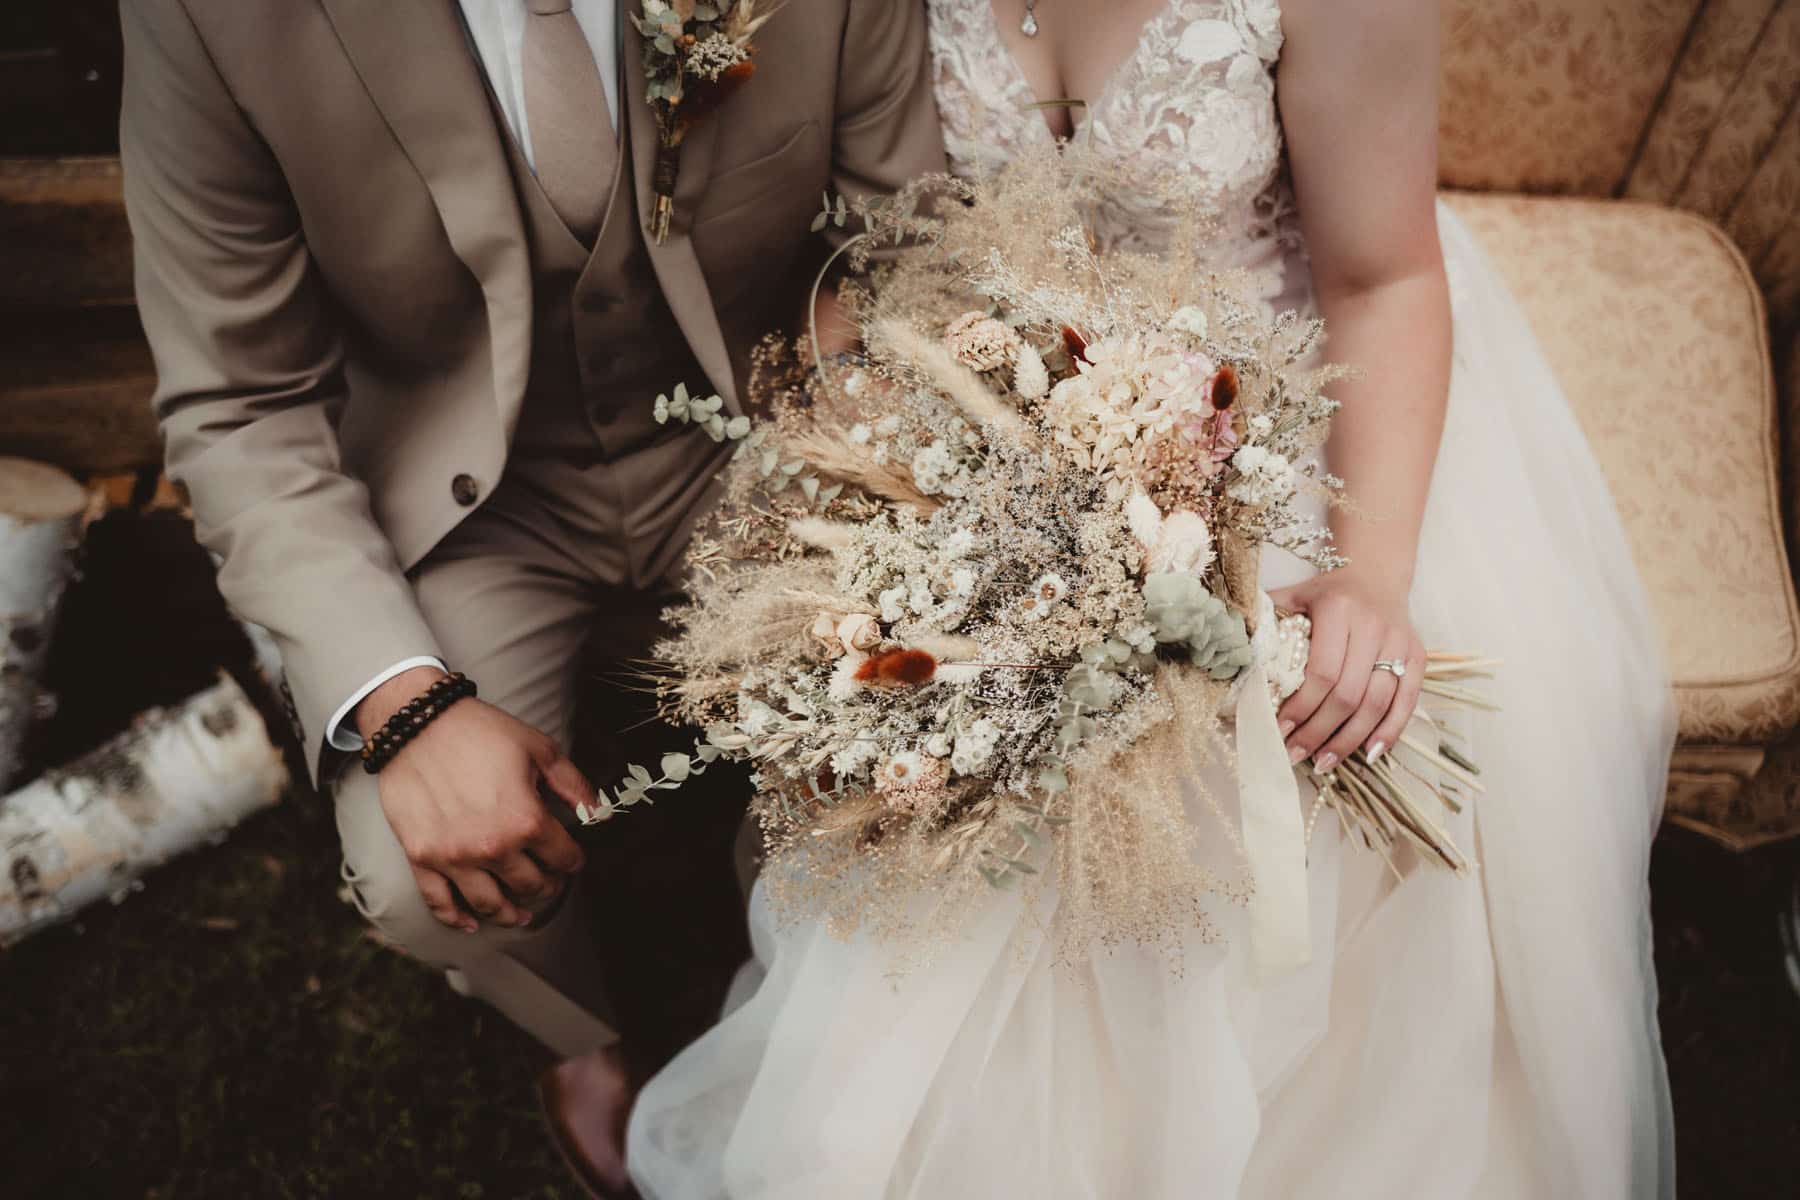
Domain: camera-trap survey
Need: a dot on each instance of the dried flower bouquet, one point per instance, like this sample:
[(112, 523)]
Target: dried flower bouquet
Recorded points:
[(978, 607)]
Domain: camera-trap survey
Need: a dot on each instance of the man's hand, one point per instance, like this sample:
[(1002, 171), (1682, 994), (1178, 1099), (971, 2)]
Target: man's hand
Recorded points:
[(462, 797)]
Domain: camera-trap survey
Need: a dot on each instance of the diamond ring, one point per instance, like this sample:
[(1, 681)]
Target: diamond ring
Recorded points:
[(1393, 666)]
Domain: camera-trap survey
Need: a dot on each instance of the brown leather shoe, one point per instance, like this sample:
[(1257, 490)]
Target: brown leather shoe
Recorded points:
[(586, 1101)]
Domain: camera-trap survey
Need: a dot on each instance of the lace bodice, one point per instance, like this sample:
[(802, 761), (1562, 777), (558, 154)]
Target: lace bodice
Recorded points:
[(1197, 91)]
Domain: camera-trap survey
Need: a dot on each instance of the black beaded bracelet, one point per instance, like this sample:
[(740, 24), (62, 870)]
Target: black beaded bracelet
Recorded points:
[(381, 746)]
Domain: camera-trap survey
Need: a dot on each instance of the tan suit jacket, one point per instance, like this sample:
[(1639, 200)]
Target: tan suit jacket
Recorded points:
[(333, 275)]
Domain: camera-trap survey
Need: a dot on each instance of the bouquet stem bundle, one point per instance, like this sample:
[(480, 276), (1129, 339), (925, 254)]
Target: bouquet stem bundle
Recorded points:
[(1395, 799)]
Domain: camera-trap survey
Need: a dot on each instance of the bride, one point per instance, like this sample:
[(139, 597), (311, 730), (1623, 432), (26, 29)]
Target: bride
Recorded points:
[(1490, 1036)]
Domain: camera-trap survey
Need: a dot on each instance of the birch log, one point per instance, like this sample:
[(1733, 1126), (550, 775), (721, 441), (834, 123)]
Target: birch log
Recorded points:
[(179, 777), (40, 528)]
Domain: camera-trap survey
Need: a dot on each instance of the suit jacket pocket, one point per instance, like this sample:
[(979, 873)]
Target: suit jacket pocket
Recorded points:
[(755, 217)]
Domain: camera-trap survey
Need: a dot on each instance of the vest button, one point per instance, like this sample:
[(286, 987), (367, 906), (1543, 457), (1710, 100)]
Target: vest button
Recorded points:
[(464, 490)]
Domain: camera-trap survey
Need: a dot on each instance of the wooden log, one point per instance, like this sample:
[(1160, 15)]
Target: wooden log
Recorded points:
[(41, 510), (75, 391), (76, 379), (62, 221), (179, 778)]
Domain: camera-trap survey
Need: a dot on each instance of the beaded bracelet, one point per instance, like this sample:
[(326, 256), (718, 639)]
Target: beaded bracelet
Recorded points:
[(381, 746)]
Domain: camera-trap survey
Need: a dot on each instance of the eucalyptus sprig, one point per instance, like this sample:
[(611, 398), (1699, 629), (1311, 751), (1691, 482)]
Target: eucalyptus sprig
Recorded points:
[(677, 769), (703, 411)]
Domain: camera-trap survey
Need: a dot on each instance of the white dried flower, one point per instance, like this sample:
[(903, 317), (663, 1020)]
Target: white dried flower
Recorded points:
[(893, 604), (1184, 544), (858, 631), (974, 746), (757, 718), (713, 57), (1262, 425), (1188, 319), (980, 342), (936, 471), (1050, 587), (824, 631), (902, 770), (919, 597), (962, 583), (816, 531), (853, 758), (1144, 518), (1140, 637), (1131, 389), (938, 745), (844, 684), (1264, 476), (1031, 378), (860, 434), (959, 543)]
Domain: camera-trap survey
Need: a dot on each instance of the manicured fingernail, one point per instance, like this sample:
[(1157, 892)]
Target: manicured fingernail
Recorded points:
[(1287, 727), (1325, 761), (1296, 753), (1376, 750), (470, 927)]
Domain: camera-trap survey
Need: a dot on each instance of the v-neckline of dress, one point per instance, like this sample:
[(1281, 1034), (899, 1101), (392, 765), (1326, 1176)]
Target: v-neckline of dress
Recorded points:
[(1077, 124)]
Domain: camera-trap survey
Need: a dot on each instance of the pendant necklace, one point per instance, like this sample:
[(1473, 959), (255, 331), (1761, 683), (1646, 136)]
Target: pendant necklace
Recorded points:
[(1029, 26)]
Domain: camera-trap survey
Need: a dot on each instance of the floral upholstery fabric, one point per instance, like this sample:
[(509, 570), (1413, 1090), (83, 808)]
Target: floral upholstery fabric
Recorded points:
[(1551, 95), (1654, 327), (1725, 141), (1692, 104)]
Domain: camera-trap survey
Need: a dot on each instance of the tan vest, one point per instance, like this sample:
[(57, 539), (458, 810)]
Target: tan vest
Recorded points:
[(604, 344)]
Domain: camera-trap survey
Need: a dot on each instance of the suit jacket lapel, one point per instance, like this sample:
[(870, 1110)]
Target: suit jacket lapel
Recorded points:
[(414, 59), (677, 266)]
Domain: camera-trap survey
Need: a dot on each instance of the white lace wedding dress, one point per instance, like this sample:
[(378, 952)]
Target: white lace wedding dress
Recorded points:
[(1493, 1036)]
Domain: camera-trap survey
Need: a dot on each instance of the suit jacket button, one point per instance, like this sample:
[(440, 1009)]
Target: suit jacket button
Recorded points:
[(464, 490)]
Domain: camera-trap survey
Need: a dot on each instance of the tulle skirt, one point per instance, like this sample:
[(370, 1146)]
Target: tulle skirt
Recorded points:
[(1487, 1036)]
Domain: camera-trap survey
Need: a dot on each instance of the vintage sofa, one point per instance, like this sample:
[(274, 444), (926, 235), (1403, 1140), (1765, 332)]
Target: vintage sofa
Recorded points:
[(1632, 165)]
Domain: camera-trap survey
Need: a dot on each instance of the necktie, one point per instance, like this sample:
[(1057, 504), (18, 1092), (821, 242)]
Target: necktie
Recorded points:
[(573, 148)]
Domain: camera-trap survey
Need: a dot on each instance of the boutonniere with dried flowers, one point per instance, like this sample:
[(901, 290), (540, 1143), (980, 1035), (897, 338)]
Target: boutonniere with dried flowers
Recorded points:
[(696, 54)]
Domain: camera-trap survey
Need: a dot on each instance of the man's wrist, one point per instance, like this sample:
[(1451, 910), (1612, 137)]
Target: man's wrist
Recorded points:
[(393, 695)]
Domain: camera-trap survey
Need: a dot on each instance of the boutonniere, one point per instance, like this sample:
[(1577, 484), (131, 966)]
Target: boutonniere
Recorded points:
[(696, 54)]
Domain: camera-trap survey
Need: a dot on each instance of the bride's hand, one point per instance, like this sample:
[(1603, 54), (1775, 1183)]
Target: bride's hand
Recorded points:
[(1345, 702)]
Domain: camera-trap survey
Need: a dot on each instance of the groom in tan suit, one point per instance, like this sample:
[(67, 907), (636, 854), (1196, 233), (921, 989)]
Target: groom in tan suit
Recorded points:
[(392, 262)]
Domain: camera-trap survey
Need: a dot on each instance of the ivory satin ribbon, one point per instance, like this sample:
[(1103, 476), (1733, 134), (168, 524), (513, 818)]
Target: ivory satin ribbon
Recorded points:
[(1274, 832)]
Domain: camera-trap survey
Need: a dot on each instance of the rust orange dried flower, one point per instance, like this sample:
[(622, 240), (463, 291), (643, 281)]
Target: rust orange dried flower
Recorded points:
[(896, 668), (1224, 387), (1075, 344)]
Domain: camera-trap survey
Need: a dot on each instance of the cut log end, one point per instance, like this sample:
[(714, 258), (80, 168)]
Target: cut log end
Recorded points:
[(31, 492)]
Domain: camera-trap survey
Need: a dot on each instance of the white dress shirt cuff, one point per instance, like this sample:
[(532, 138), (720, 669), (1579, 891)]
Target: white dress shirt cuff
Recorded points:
[(343, 736)]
